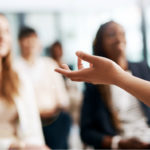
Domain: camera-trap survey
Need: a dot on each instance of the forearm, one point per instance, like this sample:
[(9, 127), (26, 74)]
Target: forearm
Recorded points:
[(136, 86)]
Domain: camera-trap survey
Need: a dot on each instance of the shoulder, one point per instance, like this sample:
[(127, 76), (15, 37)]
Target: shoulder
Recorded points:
[(140, 64), (140, 69)]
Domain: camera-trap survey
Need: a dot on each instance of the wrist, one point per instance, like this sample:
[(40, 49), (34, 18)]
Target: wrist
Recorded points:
[(120, 77), (116, 73)]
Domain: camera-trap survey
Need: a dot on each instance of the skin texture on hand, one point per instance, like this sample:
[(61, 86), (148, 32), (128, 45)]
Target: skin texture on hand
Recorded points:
[(101, 70)]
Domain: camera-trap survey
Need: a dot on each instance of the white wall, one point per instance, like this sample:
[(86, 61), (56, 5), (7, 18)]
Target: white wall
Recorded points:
[(62, 5)]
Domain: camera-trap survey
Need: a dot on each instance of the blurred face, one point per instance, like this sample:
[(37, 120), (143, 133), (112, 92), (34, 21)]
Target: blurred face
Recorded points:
[(114, 42), (30, 46), (5, 37), (57, 52)]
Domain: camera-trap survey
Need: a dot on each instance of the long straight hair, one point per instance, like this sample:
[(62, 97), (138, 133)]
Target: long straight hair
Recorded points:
[(104, 90), (9, 80)]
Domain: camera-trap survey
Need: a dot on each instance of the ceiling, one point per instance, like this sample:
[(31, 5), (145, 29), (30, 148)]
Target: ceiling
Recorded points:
[(62, 5)]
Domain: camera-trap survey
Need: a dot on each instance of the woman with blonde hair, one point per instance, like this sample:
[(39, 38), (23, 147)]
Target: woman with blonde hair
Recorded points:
[(20, 126)]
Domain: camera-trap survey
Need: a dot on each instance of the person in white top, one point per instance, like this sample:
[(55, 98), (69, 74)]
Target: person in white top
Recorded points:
[(75, 95), (20, 126), (50, 91), (49, 87)]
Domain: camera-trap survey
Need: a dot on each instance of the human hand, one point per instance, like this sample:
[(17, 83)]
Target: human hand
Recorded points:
[(133, 143), (101, 70)]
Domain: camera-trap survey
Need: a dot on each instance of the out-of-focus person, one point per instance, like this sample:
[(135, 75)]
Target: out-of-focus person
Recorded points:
[(50, 91), (112, 118), (20, 126), (74, 93), (56, 52)]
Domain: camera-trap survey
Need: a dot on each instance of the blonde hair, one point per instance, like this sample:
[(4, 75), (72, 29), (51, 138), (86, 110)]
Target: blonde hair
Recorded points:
[(9, 79)]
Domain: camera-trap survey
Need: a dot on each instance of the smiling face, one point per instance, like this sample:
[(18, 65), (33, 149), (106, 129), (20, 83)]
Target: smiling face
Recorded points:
[(114, 41), (5, 37)]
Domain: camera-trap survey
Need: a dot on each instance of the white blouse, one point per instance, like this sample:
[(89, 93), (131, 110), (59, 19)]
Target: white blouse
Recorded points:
[(48, 85), (131, 115), (27, 128)]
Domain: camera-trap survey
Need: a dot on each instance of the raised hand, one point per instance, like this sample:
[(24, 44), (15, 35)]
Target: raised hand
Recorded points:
[(101, 70)]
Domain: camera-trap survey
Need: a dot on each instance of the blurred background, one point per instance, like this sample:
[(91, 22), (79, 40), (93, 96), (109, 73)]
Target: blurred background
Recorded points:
[(75, 22)]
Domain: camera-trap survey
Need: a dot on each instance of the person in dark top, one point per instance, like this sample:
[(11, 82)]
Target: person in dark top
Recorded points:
[(105, 123), (57, 134)]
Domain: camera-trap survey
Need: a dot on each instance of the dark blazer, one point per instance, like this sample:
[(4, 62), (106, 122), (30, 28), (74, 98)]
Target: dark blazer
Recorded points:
[(95, 116)]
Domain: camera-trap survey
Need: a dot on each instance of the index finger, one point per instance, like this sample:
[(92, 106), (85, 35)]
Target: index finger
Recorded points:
[(86, 57)]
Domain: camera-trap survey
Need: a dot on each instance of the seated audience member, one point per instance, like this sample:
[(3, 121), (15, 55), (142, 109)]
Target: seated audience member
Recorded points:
[(75, 96), (50, 91), (112, 118), (20, 126)]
